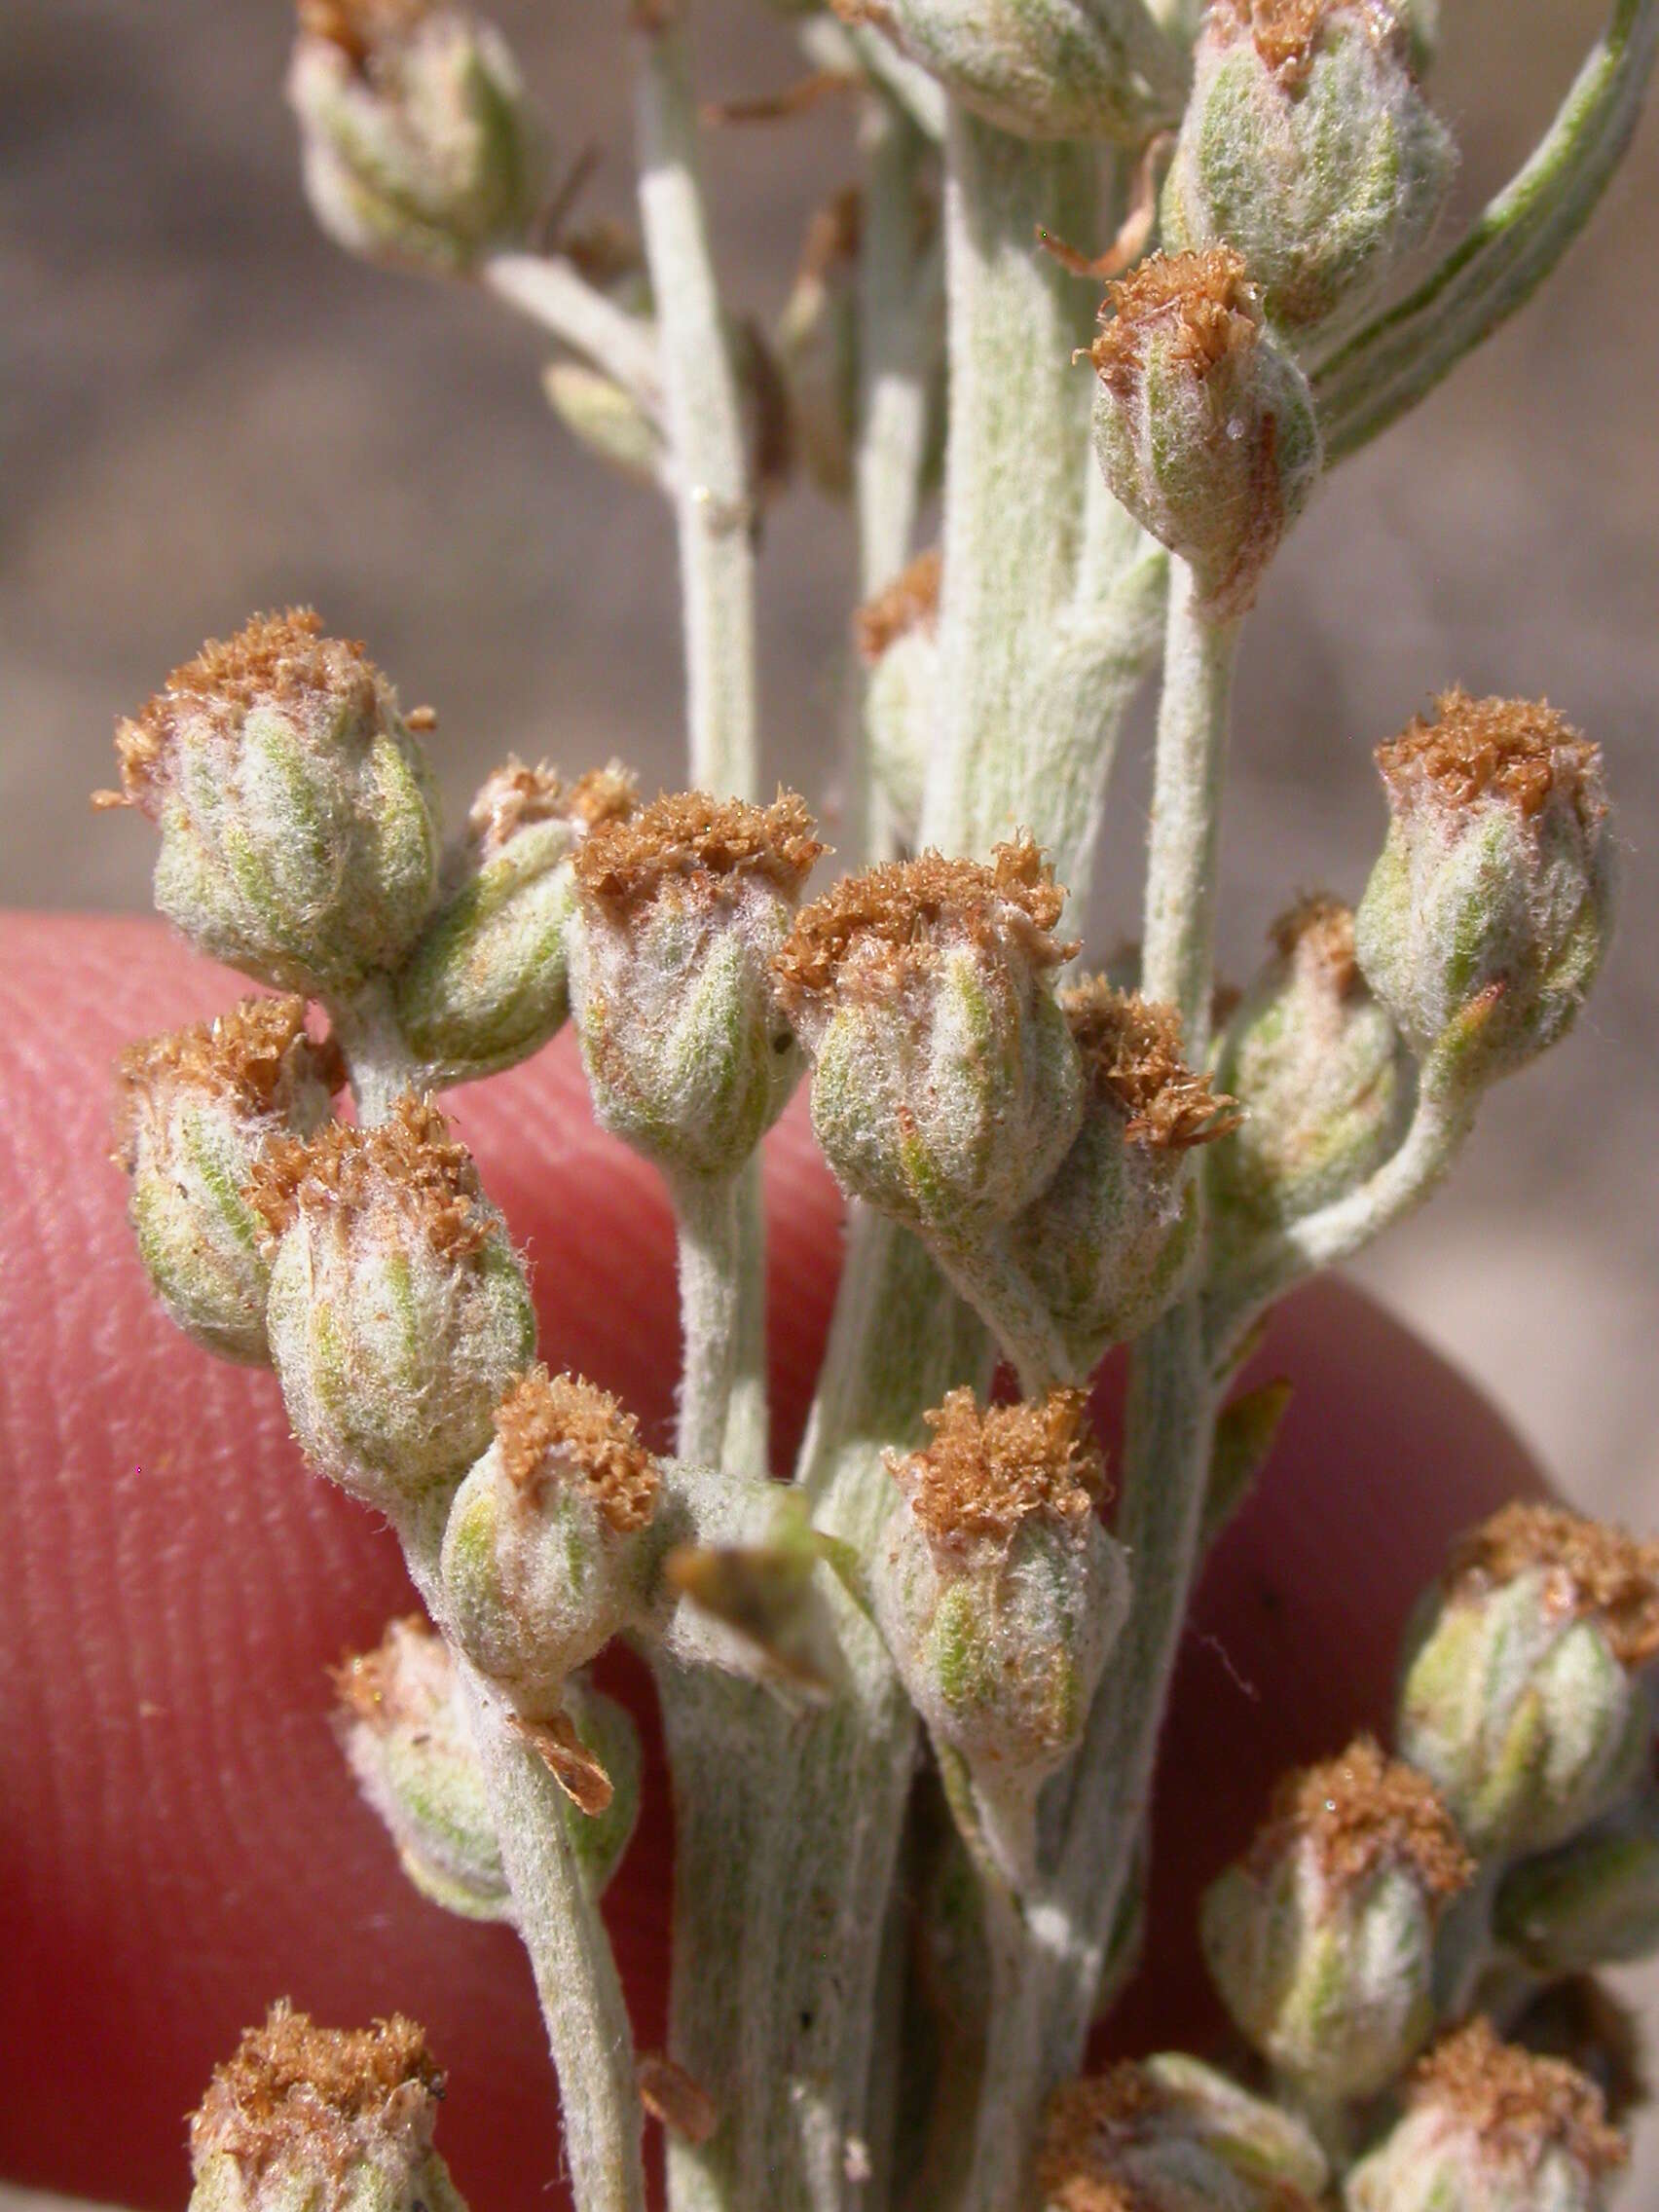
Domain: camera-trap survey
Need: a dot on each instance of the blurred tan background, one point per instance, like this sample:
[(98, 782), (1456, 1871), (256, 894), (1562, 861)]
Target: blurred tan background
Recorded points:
[(207, 410)]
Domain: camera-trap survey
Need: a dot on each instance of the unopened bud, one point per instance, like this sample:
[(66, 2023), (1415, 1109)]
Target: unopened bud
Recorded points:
[(1520, 1697), (1041, 68), (306, 2119), (1204, 424), (1595, 1901), (1308, 147), (898, 634), (1487, 912), (398, 1310), (488, 982), (299, 831), (681, 908), (1001, 1595), (1323, 1081), (1111, 1240), (195, 1110), (1170, 2134), (606, 418), (417, 145), (1321, 1940), (945, 1088), (554, 1543), (1491, 2128)]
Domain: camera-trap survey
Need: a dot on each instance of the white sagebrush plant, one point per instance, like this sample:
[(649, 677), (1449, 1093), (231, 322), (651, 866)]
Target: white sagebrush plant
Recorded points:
[(929, 1643)]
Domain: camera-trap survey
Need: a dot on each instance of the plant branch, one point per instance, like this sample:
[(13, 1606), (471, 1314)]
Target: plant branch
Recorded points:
[(553, 292)]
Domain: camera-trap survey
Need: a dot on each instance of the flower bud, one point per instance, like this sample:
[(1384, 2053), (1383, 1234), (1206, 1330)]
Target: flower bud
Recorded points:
[(1041, 68), (1324, 1083), (1204, 424), (1487, 912), (488, 983), (555, 1542), (1001, 1595), (1519, 1695), (1321, 1940), (417, 145), (1308, 147), (398, 1310), (1110, 1241), (681, 909), (1170, 2134), (898, 635), (604, 417), (945, 1085), (306, 2119), (1595, 1901), (299, 830), (1491, 2128), (196, 1109)]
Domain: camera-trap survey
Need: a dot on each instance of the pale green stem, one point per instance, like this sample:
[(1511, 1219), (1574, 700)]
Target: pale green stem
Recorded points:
[(1392, 364), (1440, 1122), (380, 1063), (710, 1253), (554, 293), (705, 425), (747, 1433), (1014, 472), (1177, 951), (991, 1280), (570, 1955)]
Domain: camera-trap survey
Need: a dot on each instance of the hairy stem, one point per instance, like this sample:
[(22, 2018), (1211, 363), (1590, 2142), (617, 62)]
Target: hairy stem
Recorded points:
[(554, 293), (710, 1255), (381, 1067), (705, 424)]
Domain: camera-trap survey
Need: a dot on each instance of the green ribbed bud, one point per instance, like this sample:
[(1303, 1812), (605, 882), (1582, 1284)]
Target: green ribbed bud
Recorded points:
[(1170, 2134), (1491, 2128), (898, 634), (945, 1088), (1487, 913), (681, 909), (1321, 1940), (306, 2119), (555, 1541), (398, 1311), (1042, 68), (488, 982), (299, 828), (1204, 424), (1593, 1902), (1001, 1595), (417, 145), (1111, 1240), (1308, 147), (1520, 1695), (1324, 1085), (195, 1111)]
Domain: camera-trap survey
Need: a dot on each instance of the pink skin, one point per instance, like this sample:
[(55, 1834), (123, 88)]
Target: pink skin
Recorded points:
[(179, 1840)]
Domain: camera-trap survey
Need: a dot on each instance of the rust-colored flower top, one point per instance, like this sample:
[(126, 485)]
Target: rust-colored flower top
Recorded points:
[(1515, 2105), (910, 602), (700, 847), (561, 1429), (516, 796), (1361, 1813), (990, 1470), (1595, 1572), (294, 2087), (1286, 33), (257, 1060), (1201, 304), (409, 1159), (1517, 751), (1130, 1050)]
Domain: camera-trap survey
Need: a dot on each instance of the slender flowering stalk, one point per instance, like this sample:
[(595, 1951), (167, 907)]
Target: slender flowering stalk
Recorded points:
[(911, 1701)]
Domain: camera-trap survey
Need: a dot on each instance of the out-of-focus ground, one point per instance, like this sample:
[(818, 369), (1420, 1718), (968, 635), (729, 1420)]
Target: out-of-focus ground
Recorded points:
[(208, 409)]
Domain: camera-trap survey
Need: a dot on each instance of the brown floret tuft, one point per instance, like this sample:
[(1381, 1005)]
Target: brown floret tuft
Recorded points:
[(1086, 2129), (294, 2087), (590, 1439), (516, 796), (1202, 303), (409, 1157), (1518, 2105), (1287, 33), (910, 602), (359, 27), (1598, 1572), (873, 932), (274, 659), (254, 1057), (1319, 929), (1130, 1048), (1362, 1811), (403, 1679), (697, 844), (987, 1471), (1517, 751)]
